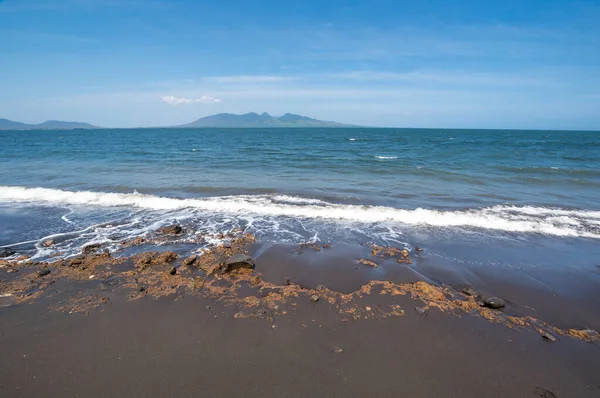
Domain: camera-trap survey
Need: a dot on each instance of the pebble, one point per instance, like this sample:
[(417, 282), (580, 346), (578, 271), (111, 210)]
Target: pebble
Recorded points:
[(421, 310), (418, 249), (172, 271), (547, 335), (470, 290), (314, 298), (494, 302)]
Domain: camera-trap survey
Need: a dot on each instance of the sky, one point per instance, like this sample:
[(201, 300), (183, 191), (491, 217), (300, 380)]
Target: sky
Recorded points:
[(423, 63)]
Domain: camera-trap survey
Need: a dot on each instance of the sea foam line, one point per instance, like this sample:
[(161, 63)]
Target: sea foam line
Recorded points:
[(527, 219)]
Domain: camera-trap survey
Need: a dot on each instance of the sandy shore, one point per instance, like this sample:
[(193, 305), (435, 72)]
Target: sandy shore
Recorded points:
[(305, 321)]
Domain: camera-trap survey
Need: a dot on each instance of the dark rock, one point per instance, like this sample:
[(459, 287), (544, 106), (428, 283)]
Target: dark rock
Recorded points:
[(326, 246), (418, 249), (189, 261), (44, 272), (256, 280), (314, 298), (171, 230), (48, 243), (172, 271), (471, 291), (5, 252), (142, 289), (238, 261), (493, 302), (91, 248)]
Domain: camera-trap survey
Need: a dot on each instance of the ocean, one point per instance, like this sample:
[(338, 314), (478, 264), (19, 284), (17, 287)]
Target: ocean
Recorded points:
[(484, 198)]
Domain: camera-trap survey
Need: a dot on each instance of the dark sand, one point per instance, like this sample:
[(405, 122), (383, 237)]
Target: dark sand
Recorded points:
[(175, 346)]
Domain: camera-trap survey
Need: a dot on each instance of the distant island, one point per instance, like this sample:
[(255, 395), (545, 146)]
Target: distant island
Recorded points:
[(6, 124), (263, 120), (221, 120)]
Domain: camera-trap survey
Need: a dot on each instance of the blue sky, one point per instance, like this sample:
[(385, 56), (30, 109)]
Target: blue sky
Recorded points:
[(473, 64)]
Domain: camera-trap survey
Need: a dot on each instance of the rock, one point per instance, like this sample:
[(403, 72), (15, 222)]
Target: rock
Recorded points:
[(493, 302), (91, 248), (75, 261), (471, 291), (48, 243), (547, 335), (368, 262), (142, 289), (421, 310), (255, 280), (321, 288), (11, 270), (337, 350), (238, 261), (189, 261), (5, 252), (326, 246), (44, 272), (171, 230), (208, 308), (404, 253), (166, 257), (314, 298), (172, 271), (418, 249)]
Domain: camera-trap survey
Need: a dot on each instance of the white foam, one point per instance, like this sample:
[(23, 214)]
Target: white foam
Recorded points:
[(386, 157), (527, 219)]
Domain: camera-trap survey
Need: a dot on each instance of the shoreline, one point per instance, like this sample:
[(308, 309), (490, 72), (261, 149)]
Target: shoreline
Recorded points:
[(359, 292)]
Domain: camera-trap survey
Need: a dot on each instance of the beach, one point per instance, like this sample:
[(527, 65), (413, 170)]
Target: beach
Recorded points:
[(312, 262)]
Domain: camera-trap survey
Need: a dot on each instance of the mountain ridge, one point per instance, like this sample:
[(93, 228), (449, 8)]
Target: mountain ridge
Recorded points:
[(6, 124), (253, 119)]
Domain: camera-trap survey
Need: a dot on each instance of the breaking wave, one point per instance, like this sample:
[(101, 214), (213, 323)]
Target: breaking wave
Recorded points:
[(520, 219)]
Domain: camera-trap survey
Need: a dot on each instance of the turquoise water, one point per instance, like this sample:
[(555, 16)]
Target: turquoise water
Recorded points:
[(397, 186)]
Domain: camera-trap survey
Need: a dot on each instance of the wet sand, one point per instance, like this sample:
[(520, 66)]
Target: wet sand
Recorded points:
[(133, 329)]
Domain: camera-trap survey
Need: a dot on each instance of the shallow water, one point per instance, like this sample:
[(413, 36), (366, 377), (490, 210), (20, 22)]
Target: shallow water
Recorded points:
[(524, 189)]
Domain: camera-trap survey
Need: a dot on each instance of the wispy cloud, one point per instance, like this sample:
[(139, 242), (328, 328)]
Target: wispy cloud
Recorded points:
[(249, 79), (172, 100)]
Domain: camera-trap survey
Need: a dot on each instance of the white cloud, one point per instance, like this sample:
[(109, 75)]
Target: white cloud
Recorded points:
[(172, 100)]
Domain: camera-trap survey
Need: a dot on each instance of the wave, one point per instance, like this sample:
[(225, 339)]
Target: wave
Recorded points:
[(386, 157), (525, 219)]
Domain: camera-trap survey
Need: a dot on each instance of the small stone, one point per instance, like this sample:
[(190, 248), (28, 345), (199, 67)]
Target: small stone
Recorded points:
[(44, 272), (547, 335), (90, 248), (326, 246), (321, 288), (171, 230), (189, 261), (11, 270), (5, 252), (238, 261), (471, 291), (314, 298), (337, 350), (255, 280), (48, 243), (404, 253), (172, 271), (418, 249), (421, 310), (208, 307), (493, 302)]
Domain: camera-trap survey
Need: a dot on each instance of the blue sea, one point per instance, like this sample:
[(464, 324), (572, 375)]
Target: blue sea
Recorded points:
[(486, 198)]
